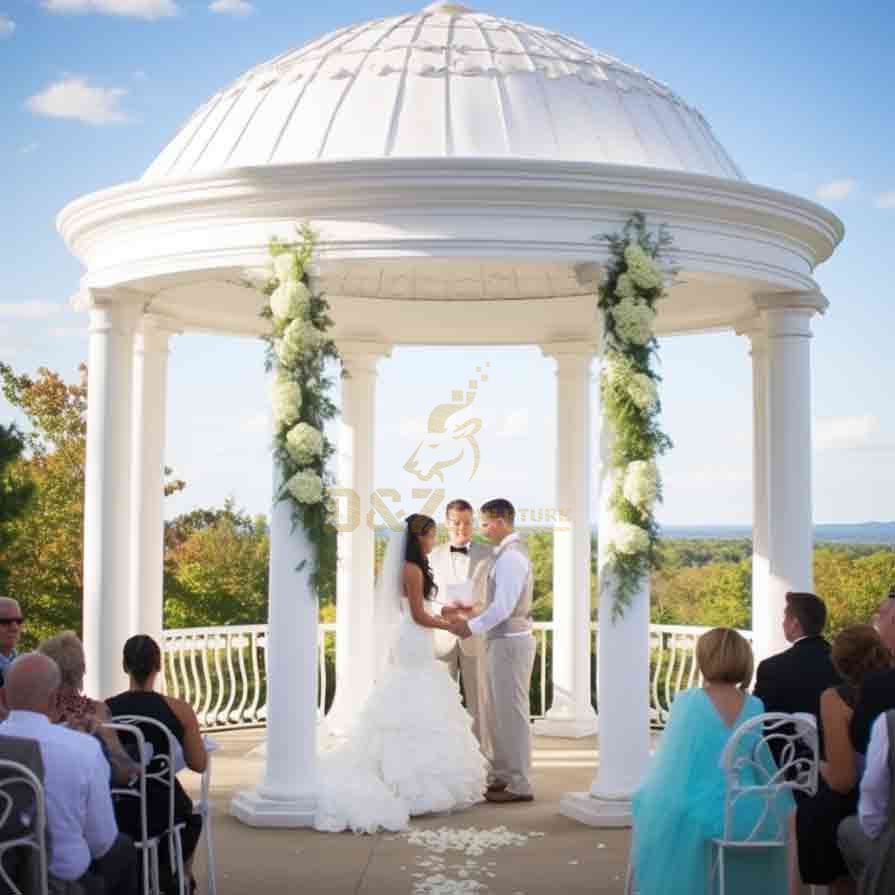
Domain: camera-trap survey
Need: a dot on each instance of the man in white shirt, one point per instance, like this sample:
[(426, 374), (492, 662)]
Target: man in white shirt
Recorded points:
[(506, 623), (462, 562), (860, 836), (87, 854)]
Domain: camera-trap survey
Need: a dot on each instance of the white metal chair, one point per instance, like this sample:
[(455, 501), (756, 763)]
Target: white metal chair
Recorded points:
[(159, 768), (752, 777), (203, 807), (29, 828), (146, 844)]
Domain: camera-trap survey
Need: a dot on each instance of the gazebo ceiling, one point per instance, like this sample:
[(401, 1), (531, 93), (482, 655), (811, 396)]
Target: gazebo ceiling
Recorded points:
[(444, 82)]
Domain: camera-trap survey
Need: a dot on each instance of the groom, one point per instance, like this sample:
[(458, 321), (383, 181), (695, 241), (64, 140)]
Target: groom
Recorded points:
[(505, 622), (458, 561)]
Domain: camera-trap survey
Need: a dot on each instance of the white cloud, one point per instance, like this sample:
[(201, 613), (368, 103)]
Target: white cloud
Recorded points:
[(237, 8), (73, 97), (134, 9), (68, 332), (836, 189), (845, 433), (139, 75), (257, 422), (885, 200), (7, 26), (30, 310), (514, 423), (28, 148)]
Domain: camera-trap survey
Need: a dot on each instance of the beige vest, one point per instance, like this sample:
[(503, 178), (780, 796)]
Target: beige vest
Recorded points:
[(519, 621)]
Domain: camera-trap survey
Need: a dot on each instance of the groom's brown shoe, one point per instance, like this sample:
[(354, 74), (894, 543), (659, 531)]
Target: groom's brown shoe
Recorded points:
[(497, 786), (504, 796)]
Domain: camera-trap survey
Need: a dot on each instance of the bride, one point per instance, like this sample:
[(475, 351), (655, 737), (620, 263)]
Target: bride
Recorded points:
[(412, 750)]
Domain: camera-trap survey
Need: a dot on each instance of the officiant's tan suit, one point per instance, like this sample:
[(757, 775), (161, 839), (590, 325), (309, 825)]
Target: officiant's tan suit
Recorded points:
[(465, 657)]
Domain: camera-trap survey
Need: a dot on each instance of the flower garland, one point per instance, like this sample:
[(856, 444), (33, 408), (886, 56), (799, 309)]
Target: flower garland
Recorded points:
[(630, 396), (297, 349)]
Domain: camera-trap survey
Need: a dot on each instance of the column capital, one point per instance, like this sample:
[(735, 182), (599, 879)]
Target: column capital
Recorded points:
[(808, 300), (153, 333), (570, 351), (360, 355)]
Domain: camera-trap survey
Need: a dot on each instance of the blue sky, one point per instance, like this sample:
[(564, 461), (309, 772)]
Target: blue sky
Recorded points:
[(801, 96)]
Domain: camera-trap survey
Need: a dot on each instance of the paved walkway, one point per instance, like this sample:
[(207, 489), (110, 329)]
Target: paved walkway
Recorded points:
[(565, 857)]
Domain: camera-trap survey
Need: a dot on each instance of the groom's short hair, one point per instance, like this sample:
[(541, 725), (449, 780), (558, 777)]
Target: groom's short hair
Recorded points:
[(460, 505), (500, 508)]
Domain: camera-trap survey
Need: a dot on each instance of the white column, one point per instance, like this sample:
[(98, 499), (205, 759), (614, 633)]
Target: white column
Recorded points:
[(571, 713), (622, 686), (106, 609), (790, 546), (148, 476), (286, 794), (355, 578)]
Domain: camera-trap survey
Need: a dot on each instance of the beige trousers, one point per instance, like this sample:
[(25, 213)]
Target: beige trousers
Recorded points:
[(471, 670), (509, 664)]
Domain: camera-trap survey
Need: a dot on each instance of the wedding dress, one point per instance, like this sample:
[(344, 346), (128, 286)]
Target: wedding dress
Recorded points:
[(412, 750)]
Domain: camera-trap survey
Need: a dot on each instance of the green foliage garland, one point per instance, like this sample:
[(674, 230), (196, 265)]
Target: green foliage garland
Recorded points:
[(628, 293), (298, 348)]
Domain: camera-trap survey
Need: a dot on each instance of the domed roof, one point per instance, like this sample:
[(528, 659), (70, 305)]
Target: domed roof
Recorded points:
[(444, 82)]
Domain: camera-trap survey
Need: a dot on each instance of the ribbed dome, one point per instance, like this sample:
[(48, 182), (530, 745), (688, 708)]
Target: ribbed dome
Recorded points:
[(444, 82)]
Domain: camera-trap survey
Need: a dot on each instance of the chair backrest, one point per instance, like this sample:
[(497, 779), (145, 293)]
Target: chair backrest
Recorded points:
[(23, 820), (755, 782), (127, 733), (160, 767)]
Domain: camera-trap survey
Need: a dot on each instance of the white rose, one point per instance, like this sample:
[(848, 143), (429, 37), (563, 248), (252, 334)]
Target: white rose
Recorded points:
[(306, 486), (286, 402), (289, 299), (624, 287), (642, 269), (299, 337), (629, 539), (643, 392), (304, 443), (286, 267), (634, 321), (641, 483)]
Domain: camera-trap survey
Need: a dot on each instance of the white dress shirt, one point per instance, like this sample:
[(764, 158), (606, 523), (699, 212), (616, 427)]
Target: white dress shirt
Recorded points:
[(80, 816), (873, 805), (510, 570)]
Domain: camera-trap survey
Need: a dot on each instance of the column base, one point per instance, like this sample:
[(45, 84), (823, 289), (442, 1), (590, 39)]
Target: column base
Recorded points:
[(568, 728), (596, 812), (256, 810)]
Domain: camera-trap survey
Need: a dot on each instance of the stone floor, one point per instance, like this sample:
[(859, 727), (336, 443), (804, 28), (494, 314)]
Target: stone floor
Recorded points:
[(567, 858)]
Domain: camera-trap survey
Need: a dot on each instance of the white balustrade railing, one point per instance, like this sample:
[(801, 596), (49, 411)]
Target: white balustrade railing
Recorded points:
[(222, 671)]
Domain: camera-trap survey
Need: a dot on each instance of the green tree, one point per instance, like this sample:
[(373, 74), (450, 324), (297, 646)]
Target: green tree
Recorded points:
[(16, 493)]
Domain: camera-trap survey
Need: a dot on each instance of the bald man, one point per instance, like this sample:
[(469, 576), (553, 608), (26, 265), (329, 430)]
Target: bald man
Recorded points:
[(11, 621), (88, 854)]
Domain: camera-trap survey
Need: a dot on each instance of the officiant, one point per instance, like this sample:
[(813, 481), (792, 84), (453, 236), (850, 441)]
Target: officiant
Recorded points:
[(461, 569)]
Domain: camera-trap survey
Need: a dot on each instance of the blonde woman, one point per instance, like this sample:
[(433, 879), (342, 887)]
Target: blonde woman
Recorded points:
[(680, 805)]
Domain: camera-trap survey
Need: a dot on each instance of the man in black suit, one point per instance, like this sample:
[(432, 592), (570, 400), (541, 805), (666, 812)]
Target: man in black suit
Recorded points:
[(878, 693), (793, 680)]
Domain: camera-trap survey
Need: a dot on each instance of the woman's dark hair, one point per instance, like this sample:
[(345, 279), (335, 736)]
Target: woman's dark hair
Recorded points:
[(417, 525), (858, 653), (142, 656)]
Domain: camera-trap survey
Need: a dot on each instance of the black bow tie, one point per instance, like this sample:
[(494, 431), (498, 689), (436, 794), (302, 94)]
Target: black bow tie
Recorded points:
[(463, 550)]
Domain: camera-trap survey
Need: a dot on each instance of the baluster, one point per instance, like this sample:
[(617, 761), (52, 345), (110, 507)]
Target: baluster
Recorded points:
[(194, 671), (262, 647), (243, 680), (231, 681), (657, 649), (219, 643), (184, 674), (256, 686)]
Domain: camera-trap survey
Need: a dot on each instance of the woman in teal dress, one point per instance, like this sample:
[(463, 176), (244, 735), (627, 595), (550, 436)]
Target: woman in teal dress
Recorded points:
[(679, 807)]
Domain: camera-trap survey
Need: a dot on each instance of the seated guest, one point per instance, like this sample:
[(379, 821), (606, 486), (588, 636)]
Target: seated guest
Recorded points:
[(868, 839), (143, 662), (87, 852), (680, 805), (78, 712), (857, 654), (11, 621), (793, 680), (878, 694)]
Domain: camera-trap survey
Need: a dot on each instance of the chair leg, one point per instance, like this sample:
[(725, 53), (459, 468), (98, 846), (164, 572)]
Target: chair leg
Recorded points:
[(721, 874), (209, 846)]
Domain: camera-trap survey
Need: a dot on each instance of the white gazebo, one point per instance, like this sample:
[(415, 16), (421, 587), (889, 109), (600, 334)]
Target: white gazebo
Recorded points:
[(458, 167)]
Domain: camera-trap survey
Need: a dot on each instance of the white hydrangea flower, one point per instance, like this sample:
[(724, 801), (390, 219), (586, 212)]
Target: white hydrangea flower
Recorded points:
[(286, 267), (641, 484), (634, 321), (306, 486), (299, 337), (642, 390), (304, 443), (289, 299), (625, 288), (628, 539), (286, 402), (642, 269)]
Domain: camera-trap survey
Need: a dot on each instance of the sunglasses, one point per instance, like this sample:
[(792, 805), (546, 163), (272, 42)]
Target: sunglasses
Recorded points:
[(12, 621)]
